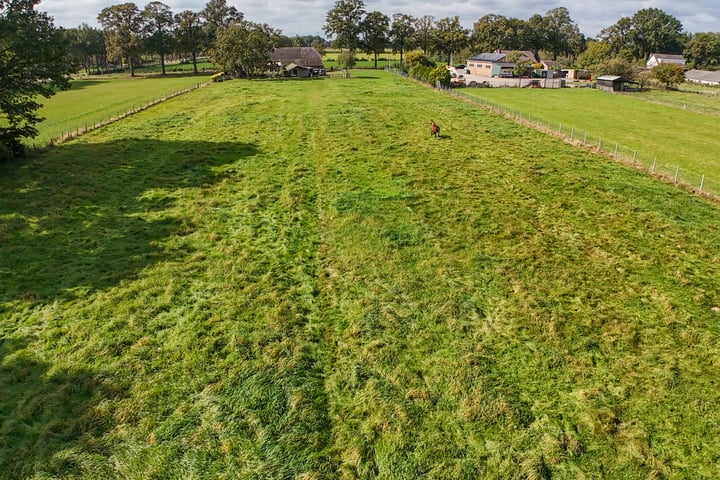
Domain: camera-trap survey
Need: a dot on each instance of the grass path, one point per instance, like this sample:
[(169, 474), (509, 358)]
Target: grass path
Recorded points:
[(234, 285)]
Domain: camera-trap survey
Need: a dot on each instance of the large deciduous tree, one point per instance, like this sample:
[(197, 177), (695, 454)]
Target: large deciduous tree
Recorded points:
[(450, 37), (655, 31), (648, 31), (596, 53), (344, 21), (158, 27), (703, 50), (33, 60), (401, 32), (424, 28), (189, 35), (496, 32), (374, 31), (218, 14), (562, 35), (243, 48), (123, 26)]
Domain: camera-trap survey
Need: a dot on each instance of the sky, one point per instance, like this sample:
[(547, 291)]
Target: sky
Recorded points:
[(307, 17)]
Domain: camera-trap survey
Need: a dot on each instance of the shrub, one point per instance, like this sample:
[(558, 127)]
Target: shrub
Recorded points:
[(440, 74), (669, 74), (10, 147)]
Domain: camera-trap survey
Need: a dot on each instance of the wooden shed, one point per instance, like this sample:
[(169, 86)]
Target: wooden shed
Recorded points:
[(613, 83)]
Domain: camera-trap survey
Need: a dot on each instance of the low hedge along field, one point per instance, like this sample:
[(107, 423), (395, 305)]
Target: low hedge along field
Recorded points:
[(294, 280)]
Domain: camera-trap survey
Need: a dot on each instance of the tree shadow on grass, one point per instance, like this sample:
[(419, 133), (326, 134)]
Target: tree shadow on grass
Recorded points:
[(86, 216), (48, 419), (81, 84)]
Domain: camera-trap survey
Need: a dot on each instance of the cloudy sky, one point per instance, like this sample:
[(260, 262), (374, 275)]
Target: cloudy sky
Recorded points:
[(307, 17)]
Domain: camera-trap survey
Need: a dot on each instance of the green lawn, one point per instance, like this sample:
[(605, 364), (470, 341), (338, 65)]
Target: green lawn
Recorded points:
[(96, 100), (273, 280), (675, 129)]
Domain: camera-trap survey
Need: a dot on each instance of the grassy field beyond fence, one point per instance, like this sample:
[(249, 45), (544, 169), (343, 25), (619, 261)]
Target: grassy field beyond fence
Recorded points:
[(667, 132), (273, 280), (93, 101)]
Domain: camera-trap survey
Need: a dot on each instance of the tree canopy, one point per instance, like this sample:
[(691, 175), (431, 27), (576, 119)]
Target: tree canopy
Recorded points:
[(401, 32), (159, 22), (189, 34), (374, 30), (243, 48), (123, 26), (33, 63), (669, 74), (648, 31), (343, 22), (703, 50), (450, 37)]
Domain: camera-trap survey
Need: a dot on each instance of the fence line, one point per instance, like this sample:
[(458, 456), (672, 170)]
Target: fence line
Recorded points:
[(692, 181), (78, 131)]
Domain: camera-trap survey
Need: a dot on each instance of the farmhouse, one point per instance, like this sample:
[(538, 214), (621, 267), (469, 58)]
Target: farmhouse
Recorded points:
[(658, 58), (613, 83), (703, 77), (495, 64), (298, 61)]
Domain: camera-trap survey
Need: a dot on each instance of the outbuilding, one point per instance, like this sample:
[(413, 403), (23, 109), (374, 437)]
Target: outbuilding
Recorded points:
[(613, 83), (703, 77), (298, 61)]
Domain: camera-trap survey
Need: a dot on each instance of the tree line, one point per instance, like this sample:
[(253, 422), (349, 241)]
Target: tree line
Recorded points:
[(555, 34)]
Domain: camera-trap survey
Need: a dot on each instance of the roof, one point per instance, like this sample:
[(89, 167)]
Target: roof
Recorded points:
[(300, 56), (487, 57), (667, 56), (551, 64), (610, 78), (703, 76), (293, 65), (524, 54)]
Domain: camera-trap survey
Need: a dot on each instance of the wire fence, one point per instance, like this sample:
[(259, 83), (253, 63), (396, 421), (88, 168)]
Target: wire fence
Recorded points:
[(88, 127), (672, 173)]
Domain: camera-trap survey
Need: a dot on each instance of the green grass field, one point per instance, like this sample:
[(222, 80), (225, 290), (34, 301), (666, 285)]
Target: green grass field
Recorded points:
[(363, 60), (272, 280), (98, 99), (675, 129)]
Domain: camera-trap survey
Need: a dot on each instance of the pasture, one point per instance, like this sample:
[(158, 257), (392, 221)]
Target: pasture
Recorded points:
[(676, 129), (271, 280), (363, 60), (96, 99)]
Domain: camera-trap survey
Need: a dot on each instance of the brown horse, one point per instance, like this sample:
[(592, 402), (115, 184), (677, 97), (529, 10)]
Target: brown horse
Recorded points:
[(434, 129)]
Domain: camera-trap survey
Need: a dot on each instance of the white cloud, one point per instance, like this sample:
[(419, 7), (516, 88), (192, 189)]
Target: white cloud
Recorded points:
[(307, 17)]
